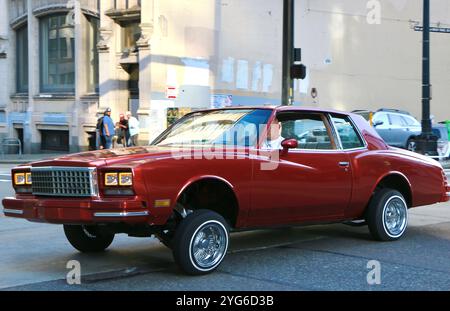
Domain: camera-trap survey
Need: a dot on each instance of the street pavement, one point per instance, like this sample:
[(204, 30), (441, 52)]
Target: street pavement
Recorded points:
[(331, 257)]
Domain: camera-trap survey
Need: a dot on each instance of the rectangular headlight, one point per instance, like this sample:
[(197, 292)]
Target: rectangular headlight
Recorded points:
[(111, 179), (125, 179), (19, 179), (28, 178)]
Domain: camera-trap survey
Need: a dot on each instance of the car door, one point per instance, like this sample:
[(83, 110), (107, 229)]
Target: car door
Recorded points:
[(399, 130), (311, 183)]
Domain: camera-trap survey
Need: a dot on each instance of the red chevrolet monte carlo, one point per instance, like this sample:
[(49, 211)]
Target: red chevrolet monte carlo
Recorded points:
[(225, 170)]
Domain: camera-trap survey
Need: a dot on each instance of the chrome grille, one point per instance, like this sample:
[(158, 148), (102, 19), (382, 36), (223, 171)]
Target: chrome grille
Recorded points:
[(64, 181)]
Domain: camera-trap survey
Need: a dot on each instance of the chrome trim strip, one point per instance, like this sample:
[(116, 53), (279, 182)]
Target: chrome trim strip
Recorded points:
[(123, 214), (12, 211)]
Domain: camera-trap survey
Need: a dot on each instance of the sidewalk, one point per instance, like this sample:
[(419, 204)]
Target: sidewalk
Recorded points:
[(27, 158)]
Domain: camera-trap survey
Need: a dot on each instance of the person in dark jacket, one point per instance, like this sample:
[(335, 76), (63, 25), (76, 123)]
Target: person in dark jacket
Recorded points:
[(124, 134)]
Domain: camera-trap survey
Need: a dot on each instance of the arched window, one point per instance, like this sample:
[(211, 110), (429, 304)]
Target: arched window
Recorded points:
[(57, 53)]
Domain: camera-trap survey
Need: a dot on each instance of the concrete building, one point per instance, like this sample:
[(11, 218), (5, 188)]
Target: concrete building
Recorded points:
[(63, 62)]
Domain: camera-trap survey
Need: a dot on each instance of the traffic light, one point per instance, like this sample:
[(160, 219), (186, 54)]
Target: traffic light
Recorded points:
[(298, 71)]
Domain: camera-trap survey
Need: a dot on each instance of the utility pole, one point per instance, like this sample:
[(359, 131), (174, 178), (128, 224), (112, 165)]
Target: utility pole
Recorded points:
[(427, 142), (288, 52)]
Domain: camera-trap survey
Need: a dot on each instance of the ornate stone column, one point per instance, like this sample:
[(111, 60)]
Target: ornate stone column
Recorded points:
[(145, 71), (31, 134), (105, 49)]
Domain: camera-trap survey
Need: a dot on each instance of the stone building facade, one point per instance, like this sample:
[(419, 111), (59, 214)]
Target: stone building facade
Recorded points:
[(63, 62)]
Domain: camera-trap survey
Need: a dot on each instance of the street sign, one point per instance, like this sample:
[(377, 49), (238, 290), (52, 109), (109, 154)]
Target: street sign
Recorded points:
[(433, 29), (171, 92)]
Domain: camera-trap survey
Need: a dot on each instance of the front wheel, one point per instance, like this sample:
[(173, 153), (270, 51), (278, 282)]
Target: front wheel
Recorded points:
[(88, 239), (387, 215), (201, 242)]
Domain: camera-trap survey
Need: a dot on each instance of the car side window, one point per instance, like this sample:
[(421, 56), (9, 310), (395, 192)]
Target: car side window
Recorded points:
[(349, 136), (381, 118), (397, 120), (309, 129), (410, 121)]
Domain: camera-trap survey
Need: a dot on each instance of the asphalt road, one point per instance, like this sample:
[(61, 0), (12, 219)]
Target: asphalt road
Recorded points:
[(332, 257)]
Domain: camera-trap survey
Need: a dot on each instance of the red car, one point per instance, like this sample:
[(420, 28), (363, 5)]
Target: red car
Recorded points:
[(225, 170)]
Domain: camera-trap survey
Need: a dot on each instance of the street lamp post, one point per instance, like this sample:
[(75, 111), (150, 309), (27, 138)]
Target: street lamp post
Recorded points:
[(426, 142), (288, 52)]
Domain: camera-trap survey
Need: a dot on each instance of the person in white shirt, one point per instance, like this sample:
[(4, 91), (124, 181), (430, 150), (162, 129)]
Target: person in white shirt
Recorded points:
[(133, 127), (274, 138)]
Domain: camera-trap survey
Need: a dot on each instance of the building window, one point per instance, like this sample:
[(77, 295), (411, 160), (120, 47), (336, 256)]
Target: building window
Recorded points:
[(131, 32), (54, 140), (92, 54), (57, 53), (22, 59)]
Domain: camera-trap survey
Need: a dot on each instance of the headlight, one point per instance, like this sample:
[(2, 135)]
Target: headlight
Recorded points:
[(28, 179), (114, 179), (125, 179), (111, 179), (19, 179)]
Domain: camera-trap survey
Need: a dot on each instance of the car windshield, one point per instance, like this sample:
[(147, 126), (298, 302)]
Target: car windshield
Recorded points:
[(232, 127)]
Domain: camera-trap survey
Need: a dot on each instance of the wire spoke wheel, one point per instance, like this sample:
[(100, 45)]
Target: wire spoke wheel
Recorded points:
[(395, 216), (209, 245)]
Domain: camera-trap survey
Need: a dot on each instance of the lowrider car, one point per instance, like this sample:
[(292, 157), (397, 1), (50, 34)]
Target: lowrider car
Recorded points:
[(218, 171)]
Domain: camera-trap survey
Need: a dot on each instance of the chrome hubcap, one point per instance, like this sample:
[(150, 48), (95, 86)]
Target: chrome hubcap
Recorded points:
[(395, 216), (209, 245)]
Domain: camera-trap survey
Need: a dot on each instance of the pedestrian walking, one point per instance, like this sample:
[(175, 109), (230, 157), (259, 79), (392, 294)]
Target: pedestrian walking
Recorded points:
[(133, 129), (108, 129)]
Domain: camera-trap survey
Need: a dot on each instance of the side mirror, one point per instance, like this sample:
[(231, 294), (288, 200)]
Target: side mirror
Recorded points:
[(378, 123), (289, 144)]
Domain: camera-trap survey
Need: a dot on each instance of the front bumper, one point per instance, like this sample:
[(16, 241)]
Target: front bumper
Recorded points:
[(447, 197), (59, 211)]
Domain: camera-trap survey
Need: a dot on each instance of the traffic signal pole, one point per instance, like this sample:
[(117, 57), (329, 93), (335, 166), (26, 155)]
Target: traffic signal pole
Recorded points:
[(288, 52)]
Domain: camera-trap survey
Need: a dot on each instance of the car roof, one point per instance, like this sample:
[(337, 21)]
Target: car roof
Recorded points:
[(282, 109)]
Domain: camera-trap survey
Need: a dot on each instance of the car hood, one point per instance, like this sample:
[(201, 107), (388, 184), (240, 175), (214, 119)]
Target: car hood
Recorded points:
[(125, 156)]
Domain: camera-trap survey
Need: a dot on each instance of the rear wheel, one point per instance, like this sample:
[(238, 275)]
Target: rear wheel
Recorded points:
[(201, 242), (387, 215), (88, 239)]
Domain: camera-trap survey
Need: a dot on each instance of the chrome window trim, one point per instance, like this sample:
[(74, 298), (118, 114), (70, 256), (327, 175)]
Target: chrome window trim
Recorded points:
[(300, 150), (358, 133), (93, 180)]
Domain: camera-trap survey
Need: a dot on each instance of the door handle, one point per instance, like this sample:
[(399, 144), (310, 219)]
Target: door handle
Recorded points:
[(344, 164)]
